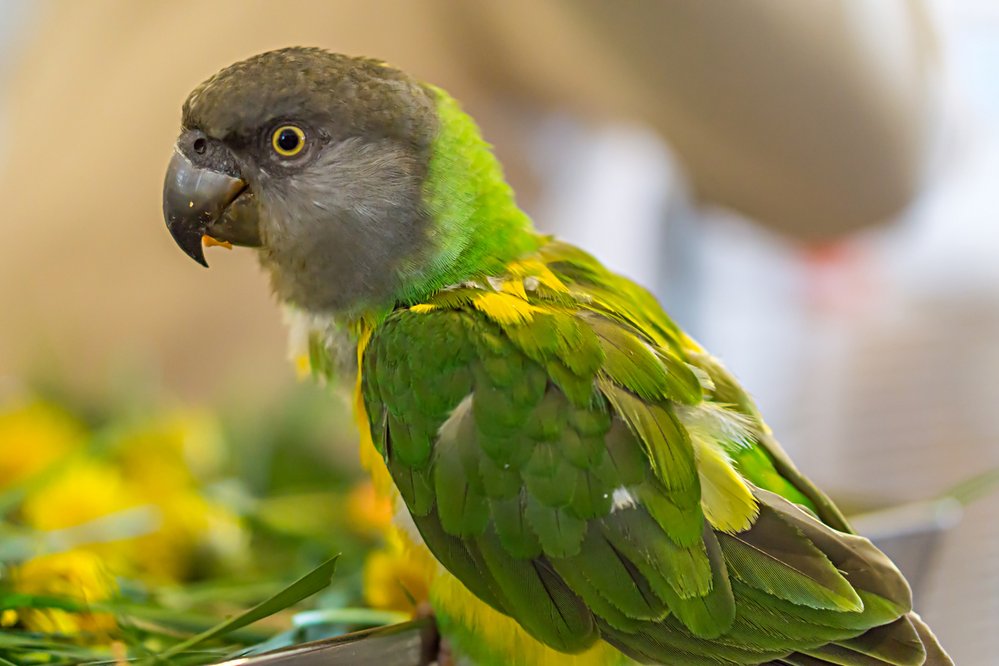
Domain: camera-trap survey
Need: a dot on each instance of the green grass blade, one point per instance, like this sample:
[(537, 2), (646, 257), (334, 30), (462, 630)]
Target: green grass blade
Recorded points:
[(974, 488), (317, 579)]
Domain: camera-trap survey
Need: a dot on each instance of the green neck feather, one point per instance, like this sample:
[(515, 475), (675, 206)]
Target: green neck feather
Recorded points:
[(476, 227)]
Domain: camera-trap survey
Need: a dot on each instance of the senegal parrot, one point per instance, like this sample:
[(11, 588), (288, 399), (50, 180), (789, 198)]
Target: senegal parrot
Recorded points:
[(593, 486)]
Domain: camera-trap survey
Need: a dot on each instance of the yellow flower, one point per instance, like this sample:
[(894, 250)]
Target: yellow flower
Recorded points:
[(33, 435), (161, 463), (77, 575), (191, 528), (84, 492), (171, 451), (397, 576), (178, 526), (368, 512)]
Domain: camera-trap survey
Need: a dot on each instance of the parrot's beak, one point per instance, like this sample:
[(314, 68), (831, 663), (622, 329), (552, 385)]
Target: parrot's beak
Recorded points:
[(200, 202)]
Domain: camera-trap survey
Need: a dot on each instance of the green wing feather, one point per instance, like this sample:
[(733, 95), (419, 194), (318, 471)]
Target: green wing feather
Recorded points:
[(555, 436), (778, 559)]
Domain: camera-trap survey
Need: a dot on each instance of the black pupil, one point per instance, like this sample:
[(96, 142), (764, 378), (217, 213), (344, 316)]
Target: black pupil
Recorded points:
[(288, 140)]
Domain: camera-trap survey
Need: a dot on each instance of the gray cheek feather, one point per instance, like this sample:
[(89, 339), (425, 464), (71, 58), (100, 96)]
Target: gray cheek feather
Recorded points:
[(335, 233)]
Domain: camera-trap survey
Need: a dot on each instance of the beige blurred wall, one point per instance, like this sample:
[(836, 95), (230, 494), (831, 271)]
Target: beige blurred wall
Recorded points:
[(89, 278)]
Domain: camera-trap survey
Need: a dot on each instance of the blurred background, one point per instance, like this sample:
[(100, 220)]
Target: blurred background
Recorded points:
[(811, 188)]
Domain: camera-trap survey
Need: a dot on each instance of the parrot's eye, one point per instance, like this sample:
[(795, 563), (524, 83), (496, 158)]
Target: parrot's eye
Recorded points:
[(288, 140)]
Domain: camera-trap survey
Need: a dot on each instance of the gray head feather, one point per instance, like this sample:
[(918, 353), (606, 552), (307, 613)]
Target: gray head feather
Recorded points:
[(339, 219)]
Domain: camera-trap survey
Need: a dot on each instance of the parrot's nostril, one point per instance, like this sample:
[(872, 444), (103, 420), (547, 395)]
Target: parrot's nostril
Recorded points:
[(200, 145)]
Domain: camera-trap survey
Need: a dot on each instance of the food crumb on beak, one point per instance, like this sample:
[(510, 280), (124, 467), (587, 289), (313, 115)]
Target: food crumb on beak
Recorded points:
[(208, 241)]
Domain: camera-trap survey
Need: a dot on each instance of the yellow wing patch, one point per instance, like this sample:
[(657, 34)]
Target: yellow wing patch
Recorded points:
[(725, 499), (504, 299), (514, 287), (504, 309), (533, 268)]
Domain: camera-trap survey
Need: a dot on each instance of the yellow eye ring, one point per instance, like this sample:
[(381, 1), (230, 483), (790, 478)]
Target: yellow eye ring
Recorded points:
[(288, 140)]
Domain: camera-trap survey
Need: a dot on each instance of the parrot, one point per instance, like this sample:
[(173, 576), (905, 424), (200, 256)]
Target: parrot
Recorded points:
[(586, 483)]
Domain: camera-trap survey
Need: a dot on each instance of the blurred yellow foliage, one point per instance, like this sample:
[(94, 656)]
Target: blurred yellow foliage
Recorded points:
[(134, 506), (162, 463), (33, 435), (151, 471), (396, 576), (77, 494), (368, 511), (188, 443), (76, 575)]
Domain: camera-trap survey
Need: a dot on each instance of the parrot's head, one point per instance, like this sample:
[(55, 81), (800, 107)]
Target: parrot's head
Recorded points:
[(319, 161)]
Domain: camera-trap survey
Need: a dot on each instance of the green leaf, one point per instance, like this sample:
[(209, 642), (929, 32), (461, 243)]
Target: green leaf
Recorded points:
[(19, 601), (168, 620), (312, 582), (25, 642)]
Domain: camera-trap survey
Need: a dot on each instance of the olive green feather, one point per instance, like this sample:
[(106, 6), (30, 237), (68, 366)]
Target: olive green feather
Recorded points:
[(666, 443), (540, 600), (776, 558), (611, 575)]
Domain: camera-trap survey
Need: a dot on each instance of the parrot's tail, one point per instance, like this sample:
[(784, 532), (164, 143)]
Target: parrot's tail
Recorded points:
[(877, 647), (883, 632)]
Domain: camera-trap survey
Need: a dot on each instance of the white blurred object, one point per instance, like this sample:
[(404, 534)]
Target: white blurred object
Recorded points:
[(606, 190)]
